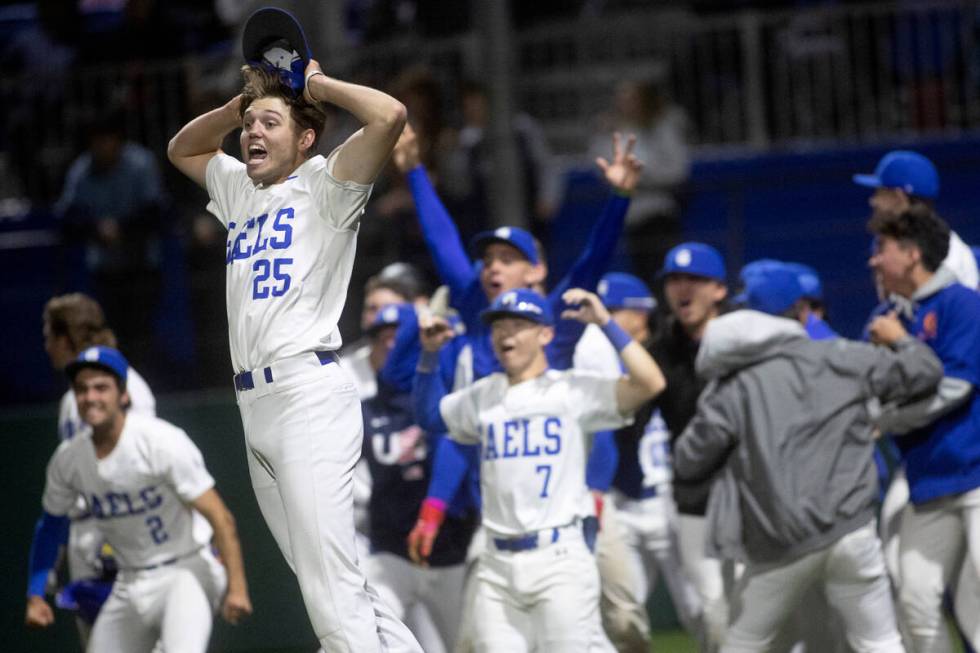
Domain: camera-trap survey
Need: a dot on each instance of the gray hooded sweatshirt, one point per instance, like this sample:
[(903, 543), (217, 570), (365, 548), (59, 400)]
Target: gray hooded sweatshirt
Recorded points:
[(787, 417)]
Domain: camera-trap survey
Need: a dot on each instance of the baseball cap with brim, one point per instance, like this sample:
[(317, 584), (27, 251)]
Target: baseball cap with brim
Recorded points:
[(772, 291), (389, 315), (520, 303), (619, 290), (513, 236), (696, 259), (751, 271), (273, 37), (104, 358), (908, 171)]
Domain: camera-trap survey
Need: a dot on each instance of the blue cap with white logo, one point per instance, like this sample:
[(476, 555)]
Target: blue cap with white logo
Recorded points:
[(907, 171), (105, 358), (513, 236), (697, 259), (620, 290), (521, 303), (772, 290), (391, 315)]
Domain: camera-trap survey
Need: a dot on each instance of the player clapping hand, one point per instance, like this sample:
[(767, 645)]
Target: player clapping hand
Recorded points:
[(586, 307)]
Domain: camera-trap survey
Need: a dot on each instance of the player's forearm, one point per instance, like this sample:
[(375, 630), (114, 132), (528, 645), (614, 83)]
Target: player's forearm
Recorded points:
[(369, 105), (428, 389), (644, 379), (49, 534), (204, 134), (230, 550), (899, 420), (600, 247)]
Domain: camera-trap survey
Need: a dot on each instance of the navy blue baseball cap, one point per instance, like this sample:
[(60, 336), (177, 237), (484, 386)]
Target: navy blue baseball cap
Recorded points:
[(771, 290), (522, 303), (620, 290), (696, 259), (273, 37), (104, 358), (513, 236), (907, 171)]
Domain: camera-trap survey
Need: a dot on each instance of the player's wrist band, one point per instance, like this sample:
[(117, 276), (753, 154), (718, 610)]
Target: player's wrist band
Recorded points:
[(616, 335), (433, 512), (313, 74)]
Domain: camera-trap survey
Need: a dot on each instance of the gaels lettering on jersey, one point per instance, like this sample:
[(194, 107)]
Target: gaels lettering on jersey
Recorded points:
[(254, 238), (120, 504), (516, 438)]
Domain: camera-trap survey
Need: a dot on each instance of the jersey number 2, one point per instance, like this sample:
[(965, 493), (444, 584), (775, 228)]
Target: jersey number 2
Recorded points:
[(274, 268), (156, 530)]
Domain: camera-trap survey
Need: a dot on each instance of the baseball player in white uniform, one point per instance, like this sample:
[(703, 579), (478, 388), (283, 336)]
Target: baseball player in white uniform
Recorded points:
[(292, 219), (72, 323), (638, 537), (537, 582), (146, 486)]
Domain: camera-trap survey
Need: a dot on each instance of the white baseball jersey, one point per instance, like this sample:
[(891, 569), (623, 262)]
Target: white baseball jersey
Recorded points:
[(289, 256), (139, 493), (960, 260), (533, 444), (141, 397)]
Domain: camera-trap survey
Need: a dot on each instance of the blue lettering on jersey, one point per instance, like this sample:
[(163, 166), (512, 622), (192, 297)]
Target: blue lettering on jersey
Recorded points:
[(552, 431), (518, 441), (251, 241), (280, 226), (121, 504)]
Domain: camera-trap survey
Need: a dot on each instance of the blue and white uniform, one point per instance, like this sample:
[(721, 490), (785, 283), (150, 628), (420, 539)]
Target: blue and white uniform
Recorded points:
[(290, 251)]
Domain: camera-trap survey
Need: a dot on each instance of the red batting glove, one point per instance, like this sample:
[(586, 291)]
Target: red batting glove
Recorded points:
[(420, 540), (599, 500)]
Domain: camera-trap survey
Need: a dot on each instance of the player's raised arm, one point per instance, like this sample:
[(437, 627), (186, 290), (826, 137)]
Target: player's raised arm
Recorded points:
[(365, 153), (236, 604), (643, 380), (198, 141)]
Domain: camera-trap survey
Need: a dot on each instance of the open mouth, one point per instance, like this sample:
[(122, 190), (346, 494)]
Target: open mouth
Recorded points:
[(256, 154)]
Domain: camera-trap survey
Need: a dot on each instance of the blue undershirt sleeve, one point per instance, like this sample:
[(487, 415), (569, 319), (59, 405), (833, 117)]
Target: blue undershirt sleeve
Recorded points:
[(449, 467), (427, 391), (603, 460), (50, 534)]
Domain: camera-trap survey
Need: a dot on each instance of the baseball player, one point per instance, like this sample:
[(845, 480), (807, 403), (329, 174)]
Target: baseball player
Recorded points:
[(693, 275), (292, 218), (398, 454), (638, 537), (937, 434), (146, 486), (903, 179), (537, 583), (785, 419), (72, 323)]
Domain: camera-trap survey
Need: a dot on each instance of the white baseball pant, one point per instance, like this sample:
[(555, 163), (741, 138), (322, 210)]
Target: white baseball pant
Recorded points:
[(173, 603), (403, 585), (852, 572), (545, 599), (638, 538), (937, 540), (303, 436), (708, 576)]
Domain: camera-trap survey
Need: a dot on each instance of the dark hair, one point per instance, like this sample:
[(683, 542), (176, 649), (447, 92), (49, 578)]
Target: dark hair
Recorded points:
[(261, 82), (80, 318), (395, 285), (919, 226)]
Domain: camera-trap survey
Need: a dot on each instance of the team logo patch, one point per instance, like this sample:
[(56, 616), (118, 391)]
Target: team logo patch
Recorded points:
[(930, 325), (603, 288), (92, 354), (502, 232), (390, 314), (683, 258)]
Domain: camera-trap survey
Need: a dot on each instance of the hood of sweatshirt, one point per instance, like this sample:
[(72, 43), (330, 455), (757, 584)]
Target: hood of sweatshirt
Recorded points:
[(743, 338)]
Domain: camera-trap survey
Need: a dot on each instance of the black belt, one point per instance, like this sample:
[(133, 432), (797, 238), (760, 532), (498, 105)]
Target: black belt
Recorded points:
[(245, 380)]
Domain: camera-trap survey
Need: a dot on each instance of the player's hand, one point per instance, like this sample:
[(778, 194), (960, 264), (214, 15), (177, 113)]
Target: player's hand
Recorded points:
[(887, 329), (406, 155), (584, 306), (623, 172), (39, 613), (434, 331), (313, 66), (422, 537), (236, 606)]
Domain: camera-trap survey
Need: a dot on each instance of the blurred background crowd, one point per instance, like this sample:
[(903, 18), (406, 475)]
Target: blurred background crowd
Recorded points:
[(751, 117)]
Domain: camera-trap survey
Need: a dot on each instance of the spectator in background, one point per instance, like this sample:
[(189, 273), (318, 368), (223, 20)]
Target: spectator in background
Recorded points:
[(465, 177), (113, 204), (653, 222)]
